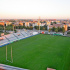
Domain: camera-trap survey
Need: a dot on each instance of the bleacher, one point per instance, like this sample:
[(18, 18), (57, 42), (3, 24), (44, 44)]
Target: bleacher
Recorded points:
[(3, 41), (19, 35), (29, 33), (9, 38), (8, 67), (25, 34)]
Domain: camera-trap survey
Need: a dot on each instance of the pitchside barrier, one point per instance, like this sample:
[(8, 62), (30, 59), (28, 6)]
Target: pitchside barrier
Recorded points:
[(17, 40)]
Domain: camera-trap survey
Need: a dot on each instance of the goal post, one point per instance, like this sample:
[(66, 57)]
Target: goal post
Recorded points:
[(7, 55), (11, 55)]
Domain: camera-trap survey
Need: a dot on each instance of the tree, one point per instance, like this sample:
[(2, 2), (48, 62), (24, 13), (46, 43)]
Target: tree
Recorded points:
[(56, 30), (63, 30), (45, 26), (36, 27), (17, 27), (53, 29), (27, 27), (54, 22), (1, 27), (44, 21), (64, 23), (21, 27), (60, 29), (51, 23), (30, 27), (41, 28), (49, 30), (15, 31)]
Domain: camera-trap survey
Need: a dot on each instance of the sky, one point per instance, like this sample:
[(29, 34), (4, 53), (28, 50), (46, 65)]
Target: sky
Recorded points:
[(33, 9)]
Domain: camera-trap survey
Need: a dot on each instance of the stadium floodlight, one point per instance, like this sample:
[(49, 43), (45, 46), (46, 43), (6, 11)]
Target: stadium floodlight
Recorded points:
[(13, 28), (11, 56), (39, 24), (4, 28)]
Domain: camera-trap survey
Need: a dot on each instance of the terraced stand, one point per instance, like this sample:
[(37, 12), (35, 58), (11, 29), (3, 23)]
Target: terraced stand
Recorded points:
[(7, 39), (7, 67)]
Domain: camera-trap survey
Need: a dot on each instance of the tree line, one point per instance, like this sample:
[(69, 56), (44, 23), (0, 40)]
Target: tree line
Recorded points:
[(10, 27), (58, 29)]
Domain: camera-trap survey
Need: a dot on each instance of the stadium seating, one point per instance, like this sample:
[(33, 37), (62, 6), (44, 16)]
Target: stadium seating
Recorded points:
[(4, 41), (14, 37), (28, 33), (18, 35), (1, 38), (24, 33), (11, 37), (8, 67)]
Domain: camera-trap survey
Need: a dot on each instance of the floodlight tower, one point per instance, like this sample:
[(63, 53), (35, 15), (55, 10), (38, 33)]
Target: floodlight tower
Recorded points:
[(39, 24), (33, 26), (46, 25), (4, 27), (67, 20), (16, 22), (13, 28)]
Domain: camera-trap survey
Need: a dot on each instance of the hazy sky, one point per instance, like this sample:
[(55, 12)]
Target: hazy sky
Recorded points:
[(48, 9)]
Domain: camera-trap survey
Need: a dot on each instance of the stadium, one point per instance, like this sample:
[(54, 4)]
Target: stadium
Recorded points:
[(34, 51)]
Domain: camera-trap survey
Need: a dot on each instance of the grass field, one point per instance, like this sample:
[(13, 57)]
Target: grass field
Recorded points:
[(39, 52)]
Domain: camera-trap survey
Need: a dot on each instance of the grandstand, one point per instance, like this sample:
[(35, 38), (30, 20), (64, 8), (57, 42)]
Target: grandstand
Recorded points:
[(7, 39), (11, 37), (3, 41), (8, 67), (25, 34), (18, 35)]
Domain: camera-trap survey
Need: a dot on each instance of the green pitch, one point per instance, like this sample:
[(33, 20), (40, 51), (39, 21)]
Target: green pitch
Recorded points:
[(39, 52)]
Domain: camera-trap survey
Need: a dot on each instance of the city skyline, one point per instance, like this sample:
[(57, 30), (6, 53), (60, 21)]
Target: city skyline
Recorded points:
[(32, 9)]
